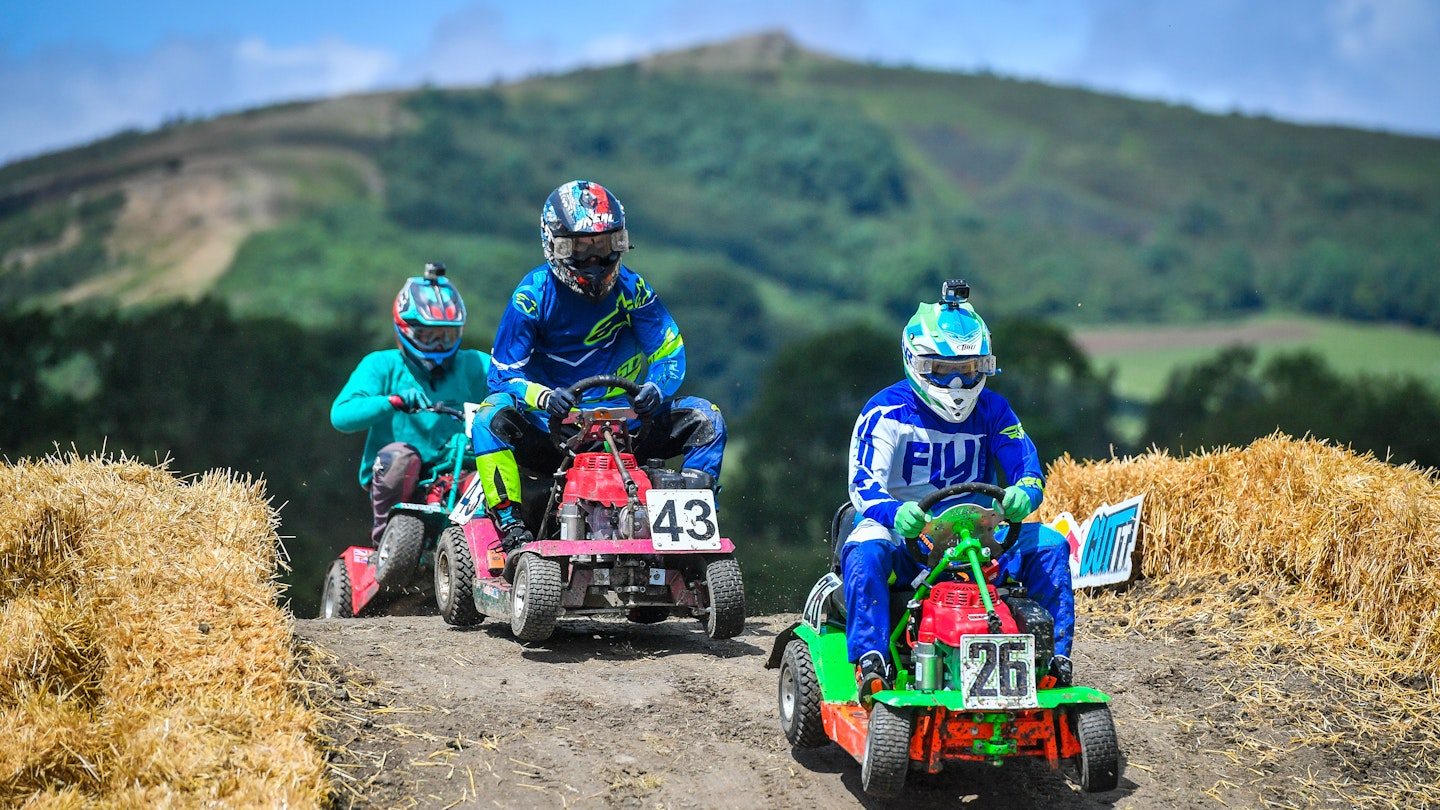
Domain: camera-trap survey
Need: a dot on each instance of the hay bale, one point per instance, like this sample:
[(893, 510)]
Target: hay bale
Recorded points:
[(143, 657), (1346, 528)]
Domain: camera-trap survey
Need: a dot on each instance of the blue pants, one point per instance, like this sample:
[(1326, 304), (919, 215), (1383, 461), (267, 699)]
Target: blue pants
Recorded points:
[(1040, 561)]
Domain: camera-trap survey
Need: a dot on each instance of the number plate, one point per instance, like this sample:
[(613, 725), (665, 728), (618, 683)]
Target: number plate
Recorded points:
[(683, 519), (998, 671)]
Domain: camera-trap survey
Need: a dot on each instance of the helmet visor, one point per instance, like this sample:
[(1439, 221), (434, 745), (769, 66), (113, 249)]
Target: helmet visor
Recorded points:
[(434, 338), (954, 372), (590, 247)]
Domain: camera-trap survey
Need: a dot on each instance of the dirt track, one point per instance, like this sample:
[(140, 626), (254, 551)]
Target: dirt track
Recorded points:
[(609, 714)]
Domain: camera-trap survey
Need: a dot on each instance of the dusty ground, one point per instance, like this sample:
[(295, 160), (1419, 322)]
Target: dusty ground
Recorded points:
[(609, 714)]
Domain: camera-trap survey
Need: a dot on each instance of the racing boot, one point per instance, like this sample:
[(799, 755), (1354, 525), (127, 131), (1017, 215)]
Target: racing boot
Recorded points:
[(874, 674), (513, 533), (1062, 670)]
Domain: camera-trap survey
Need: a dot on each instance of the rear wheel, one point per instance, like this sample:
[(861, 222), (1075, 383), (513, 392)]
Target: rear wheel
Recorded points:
[(1098, 762), (727, 599), (399, 551), (887, 751), (535, 600), (336, 600), (455, 579), (800, 697)]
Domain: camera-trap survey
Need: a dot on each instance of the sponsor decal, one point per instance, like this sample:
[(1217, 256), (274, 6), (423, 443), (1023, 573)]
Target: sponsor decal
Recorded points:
[(1015, 431), (1102, 547), (525, 302), (362, 555)]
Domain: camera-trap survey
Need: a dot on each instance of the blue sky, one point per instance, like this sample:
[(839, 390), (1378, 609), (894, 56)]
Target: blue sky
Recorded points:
[(72, 71)]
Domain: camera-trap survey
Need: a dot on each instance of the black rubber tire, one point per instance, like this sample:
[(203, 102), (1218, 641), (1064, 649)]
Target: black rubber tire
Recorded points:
[(799, 696), (455, 579), (648, 614), (726, 592), (535, 600), (887, 752), (1098, 763), (399, 551), (336, 600)]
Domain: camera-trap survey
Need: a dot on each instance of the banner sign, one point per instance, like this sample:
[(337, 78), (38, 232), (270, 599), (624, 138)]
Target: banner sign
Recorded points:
[(1101, 548)]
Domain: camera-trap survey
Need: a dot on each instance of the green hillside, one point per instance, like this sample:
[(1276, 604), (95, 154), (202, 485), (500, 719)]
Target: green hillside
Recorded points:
[(782, 190)]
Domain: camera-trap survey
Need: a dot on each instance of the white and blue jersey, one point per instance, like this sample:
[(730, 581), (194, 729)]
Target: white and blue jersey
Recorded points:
[(552, 338), (902, 451)]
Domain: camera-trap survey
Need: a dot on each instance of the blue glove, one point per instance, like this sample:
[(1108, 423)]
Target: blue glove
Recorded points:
[(910, 520), (410, 400), (557, 402), (647, 400), (1016, 504)]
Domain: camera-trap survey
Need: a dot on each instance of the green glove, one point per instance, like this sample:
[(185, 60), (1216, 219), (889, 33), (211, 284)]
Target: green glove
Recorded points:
[(1016, 504), (911, 519)]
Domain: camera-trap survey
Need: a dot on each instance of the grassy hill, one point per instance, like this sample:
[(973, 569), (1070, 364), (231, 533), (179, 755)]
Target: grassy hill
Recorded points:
[(783, 191)]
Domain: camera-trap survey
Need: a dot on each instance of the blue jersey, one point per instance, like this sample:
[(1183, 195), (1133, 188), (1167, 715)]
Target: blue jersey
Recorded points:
[(902, 451), (550, 337)]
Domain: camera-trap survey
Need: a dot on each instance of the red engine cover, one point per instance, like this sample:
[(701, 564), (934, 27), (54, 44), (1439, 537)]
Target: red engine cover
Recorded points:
[(594, 478), (954, 609)]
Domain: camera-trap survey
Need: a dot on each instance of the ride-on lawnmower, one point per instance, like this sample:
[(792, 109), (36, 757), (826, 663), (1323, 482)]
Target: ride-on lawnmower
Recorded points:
[(615, 538), (399, 569), (970, 660)]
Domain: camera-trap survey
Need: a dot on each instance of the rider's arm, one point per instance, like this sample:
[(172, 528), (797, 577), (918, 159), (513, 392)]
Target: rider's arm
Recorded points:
[(514, 344), (659, 337), (872, 446), (365, 399), (1016, 453)]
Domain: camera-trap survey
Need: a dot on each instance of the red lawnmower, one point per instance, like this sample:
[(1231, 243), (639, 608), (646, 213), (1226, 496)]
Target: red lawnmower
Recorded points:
[(397, 574), (615, 538)]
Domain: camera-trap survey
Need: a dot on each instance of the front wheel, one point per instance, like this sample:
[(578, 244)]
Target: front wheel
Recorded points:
[(535, 600), (887, 751), (1098, 762), (399, 551), (800, 697), (727, 599), (455, 579), (336, 600)]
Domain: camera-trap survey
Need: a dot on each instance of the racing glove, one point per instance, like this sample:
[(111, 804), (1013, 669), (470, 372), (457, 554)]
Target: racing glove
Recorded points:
[(647, 400), (910, 520), (557, 402), (410, 400), (1016, 504)]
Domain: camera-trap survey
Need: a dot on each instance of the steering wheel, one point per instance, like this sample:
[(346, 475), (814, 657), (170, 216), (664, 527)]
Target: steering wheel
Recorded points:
[(929, 501), (581, 386)]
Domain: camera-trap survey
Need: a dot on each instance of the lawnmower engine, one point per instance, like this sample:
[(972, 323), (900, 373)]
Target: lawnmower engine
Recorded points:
[(951, 611), (596, 504)]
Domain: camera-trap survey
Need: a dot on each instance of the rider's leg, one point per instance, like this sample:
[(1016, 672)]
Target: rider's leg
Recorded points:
[(393, 480), (1041, 562), (690, 426), (493, 434)]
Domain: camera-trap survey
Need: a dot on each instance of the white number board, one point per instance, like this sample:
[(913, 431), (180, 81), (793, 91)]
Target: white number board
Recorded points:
[(683, 520), (998, 671)]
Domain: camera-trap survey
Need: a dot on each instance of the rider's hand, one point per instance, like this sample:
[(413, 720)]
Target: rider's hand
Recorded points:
[(1016, 504), (557, 402), (910, 520), (647, 399), (410, 400)]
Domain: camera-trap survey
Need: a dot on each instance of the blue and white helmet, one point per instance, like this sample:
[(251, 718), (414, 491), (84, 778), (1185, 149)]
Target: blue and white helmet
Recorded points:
[(947, 357), (582, 231)]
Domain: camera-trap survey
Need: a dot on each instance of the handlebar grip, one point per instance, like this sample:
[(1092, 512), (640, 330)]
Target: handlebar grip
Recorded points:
[(606, 381)]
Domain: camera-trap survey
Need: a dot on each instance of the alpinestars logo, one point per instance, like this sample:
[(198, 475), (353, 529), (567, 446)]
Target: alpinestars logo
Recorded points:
[(1015, 431)]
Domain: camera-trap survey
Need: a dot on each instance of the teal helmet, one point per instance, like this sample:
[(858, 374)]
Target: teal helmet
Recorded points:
[(429, 318), (947, 357)]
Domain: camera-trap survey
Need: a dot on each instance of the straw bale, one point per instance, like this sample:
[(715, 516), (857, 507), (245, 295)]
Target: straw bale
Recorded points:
[(1344, 527), (144, 659)]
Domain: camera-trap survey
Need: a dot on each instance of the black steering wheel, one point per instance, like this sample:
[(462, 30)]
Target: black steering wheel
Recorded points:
[(929, 501), (581, 386)]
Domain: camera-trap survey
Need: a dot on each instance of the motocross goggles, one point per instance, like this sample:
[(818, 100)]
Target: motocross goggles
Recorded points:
[(590, 248), (954, 372), (434, 338)]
